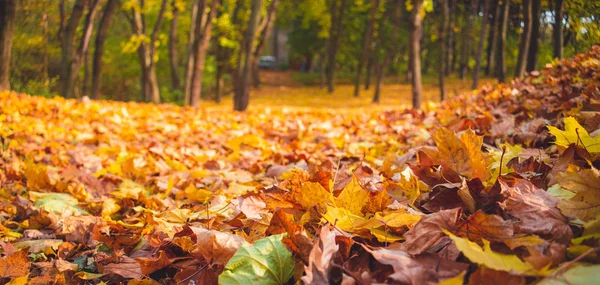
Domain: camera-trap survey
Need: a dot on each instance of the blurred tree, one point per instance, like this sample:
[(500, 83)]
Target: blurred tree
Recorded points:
[(264, 31), (367, 45), (72, 57), (482, 30), (8, 10), (107, 14), (501, 41), (534, 43), (335, 37), (557, 35), (415, 52), (525, 39), (242, 88)]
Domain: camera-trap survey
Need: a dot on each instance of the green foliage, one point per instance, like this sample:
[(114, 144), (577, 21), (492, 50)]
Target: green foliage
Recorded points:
[(268, 261)]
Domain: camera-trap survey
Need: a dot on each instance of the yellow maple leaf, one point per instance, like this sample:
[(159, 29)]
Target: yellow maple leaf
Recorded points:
[(574, 133), (497, 261), (353, 198), (310, 194)]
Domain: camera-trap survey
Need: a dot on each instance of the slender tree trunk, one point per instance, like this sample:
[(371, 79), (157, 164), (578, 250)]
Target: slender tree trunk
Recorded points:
[(264, 33), (443, 31), (493, 39), (218, 76), (198, 5), (109, 10), (335, 42), (175, 81), (323, 66), (557, 33), (202, 38), (242, 93), (69, 53), (500, 48), (468, 40), (389, 49), (45, 57), (450, 57), (415, 53), (486, 10), (525, 39), (366, 53), (368, 70), (534, 44), (8, 10), (147, 51)]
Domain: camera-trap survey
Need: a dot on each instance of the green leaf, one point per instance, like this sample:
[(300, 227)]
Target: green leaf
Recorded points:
[(268, 261), (58, 203), (582, 275), (493, 260)]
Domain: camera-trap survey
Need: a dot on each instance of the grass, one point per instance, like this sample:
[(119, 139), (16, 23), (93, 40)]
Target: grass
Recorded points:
[(279, 89)]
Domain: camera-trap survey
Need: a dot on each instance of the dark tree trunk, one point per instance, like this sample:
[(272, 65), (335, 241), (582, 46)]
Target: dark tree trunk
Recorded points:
[(443, 32), (368, 72), (366, 52), (242, 91), (450, 57), (493, 39), (525, 39), (264, 33), (468, 39), (175, 81), (203, 28), (337, 19), (534, 44), (8, 10), (557, 33), (486, 10), (501, 42), (415, 53), (72, 57), (147, 50), (218, 78), (389, 49), (109, 10)]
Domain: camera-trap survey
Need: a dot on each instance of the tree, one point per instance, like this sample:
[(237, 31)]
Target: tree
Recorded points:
[(72, 58), (8, 10), (557, 33), (450, 43), (484, 21), (109, 10), (415, 52), (265, 27), (335, 36), (366, 52), (493, 38), (534, 43), (468, 40), (201, 38), (242, 88), (525, 39), (175, 81), (443, 36), (501, 41), (147, 46), (389, 48)]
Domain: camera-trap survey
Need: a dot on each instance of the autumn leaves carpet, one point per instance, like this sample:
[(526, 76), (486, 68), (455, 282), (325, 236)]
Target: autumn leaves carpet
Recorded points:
[(502, 185)]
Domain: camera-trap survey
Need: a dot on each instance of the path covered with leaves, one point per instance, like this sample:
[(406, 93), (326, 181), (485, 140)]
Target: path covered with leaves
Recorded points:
[(502, 185)]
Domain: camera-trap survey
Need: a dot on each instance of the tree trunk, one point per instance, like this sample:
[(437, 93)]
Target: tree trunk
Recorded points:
[(500, 48), (443, 31), (415, 53), (368, 71), (468, 40), (534, 43), (201, 40), (450, 44), (175, 81), (69, 54), (493, 39), (218, 79), (390, 48), (525, 39), (337, 27), (366, 53), (198, 5), (557, 33), (109, 10), (486, 10), (264, 33), (147, 51), (242, 93), (8, 10)]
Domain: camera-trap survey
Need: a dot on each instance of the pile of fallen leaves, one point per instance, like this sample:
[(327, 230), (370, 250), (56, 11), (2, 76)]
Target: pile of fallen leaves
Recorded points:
[(502, 185)]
